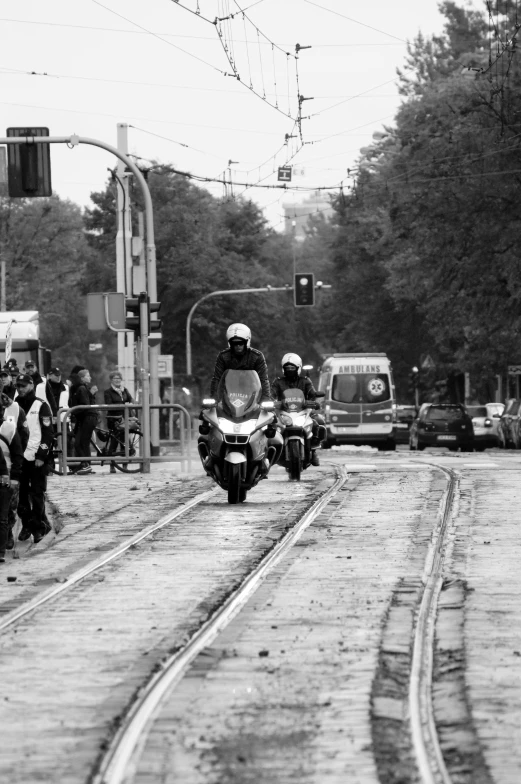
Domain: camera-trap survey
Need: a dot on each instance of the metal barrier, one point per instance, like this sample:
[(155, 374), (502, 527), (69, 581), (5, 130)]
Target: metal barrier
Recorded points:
[(185, 441)]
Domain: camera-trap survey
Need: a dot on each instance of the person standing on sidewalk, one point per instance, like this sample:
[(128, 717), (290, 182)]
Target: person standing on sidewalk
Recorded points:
[(115, 395), (84, 420), (32, 370), (5, 498), (31, 507), (13, 452)]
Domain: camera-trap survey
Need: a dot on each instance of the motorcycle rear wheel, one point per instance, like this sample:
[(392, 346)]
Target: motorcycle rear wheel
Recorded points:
[(295, 463), (234, 485)]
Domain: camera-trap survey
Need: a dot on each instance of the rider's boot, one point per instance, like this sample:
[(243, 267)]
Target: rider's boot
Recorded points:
[(314, 458)]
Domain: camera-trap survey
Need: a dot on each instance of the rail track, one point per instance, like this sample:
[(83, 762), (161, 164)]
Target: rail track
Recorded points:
[(120, 761), (58, 590)]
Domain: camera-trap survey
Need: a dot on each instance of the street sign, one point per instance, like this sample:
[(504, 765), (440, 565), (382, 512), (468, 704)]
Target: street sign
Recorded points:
[(284, 174), (428, 363), (165, 366), (96, 313), (514, 370), (95, 346)]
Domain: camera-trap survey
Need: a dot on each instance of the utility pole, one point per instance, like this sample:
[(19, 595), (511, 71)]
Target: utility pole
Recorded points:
[(124, 258), (3, 305)]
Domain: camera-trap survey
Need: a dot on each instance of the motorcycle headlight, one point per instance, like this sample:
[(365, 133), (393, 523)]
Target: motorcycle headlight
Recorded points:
[(286, 420)]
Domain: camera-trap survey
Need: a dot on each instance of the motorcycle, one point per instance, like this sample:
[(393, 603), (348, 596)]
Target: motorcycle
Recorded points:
[(238, 441), (297, 431)]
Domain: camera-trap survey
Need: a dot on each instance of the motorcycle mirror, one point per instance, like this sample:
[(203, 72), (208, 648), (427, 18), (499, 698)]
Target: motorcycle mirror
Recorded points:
[(268, 405), (208, 402), (320, 394)]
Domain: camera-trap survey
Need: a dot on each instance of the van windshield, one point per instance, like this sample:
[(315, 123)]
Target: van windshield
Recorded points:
[(360, 388)]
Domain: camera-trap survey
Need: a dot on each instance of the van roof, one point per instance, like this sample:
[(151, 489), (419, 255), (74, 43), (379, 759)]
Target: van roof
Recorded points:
[(360, 354)]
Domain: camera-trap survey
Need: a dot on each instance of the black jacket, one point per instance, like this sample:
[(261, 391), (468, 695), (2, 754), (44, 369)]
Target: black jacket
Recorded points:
[(281, 383), (81, 396), (250, 360), (112, 398)]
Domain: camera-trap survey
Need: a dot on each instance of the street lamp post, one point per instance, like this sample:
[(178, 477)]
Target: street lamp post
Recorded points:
[(217, 294)]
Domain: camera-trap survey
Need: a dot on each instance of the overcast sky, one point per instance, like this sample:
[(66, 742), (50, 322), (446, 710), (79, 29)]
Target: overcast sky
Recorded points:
[(163, 69)]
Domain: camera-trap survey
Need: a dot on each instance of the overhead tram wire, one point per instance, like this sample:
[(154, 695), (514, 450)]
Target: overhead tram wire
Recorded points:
[(173, 141), (155, 35), (350, 19)]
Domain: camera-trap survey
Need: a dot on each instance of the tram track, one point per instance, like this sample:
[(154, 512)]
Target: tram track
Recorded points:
[(58, 590), (120, 762)]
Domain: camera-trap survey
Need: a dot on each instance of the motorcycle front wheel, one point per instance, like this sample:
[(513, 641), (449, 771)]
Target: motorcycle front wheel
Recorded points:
[(234, 485), (295, 463)]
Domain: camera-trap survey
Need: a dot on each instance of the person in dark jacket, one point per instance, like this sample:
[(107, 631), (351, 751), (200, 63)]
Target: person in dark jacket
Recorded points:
[(7, 379), (82, 394), (32, 370), (37, 454), (116, 394), (5, 499), (240, 356), (292, 379), (13, 452)]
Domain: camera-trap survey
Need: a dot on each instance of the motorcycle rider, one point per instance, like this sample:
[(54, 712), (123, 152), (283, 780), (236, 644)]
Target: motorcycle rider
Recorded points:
[(240, 356), (292, 379)]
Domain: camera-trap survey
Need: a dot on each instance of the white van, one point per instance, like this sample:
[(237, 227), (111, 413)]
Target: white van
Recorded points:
[(360, 400)]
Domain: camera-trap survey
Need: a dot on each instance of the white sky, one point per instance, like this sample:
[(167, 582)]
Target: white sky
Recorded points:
[(103, 69)]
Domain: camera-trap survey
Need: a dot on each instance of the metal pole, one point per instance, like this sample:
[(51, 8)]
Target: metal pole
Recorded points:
[(145, 379), (217, 294), (73, 141), (2, 284), (123, 259)]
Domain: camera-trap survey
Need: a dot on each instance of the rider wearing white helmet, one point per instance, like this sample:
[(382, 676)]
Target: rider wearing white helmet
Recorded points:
[(240, 356), (292, 379)]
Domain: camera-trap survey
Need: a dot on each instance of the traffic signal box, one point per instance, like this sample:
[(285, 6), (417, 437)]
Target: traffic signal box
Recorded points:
[(28, 165), (141, 309), (304, 289)]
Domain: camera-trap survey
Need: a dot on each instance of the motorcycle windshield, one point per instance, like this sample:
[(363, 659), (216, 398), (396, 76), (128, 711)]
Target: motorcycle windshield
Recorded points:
[(239, 393), (293, 400)]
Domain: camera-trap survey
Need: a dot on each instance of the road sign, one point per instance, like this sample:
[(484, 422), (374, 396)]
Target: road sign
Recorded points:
[(514, 370), (96, 313), (284, 174), (165, 366)]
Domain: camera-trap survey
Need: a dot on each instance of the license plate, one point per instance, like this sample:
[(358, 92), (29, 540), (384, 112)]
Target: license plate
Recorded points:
[(446, 438), (346, 429)]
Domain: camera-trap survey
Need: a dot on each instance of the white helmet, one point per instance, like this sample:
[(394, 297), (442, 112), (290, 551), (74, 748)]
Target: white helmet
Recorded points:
[(239, 331), (292, 359)]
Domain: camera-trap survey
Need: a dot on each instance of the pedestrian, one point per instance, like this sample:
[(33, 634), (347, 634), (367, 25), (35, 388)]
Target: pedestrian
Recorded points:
[(32, 370), (116, 394), (5, 497), (82, 394), (33, 484), (56, 394), (8, 380), (13, 452)]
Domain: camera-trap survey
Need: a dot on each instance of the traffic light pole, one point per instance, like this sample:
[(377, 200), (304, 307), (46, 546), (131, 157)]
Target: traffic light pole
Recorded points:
[(218, 294), (145, 379), (74, 141)]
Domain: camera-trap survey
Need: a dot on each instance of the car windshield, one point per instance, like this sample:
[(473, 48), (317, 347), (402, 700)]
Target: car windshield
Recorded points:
[(477, 411), (361, 387), (444, 414)]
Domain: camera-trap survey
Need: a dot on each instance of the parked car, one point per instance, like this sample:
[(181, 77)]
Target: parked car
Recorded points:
[(405, 415), (439, 424), (509, 425), (485, 421)]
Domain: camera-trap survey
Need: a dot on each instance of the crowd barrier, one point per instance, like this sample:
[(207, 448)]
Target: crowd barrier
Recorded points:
[(66, 437)]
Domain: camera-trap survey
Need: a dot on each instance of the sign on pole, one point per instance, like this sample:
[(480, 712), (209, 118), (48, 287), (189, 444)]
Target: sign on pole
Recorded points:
[(284, 174), (165, 366), (101, 305)]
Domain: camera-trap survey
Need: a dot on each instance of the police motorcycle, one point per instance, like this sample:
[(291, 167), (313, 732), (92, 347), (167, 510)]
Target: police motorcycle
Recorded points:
[(297, 431), (238, 441)]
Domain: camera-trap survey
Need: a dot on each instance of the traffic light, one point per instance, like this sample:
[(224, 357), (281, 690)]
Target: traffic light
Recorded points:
[(132, 305), (29, 165), (414, 379), (304, 289), (154, 324)]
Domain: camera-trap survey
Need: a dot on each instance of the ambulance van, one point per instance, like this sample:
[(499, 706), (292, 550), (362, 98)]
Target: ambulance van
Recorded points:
[(360, 401)]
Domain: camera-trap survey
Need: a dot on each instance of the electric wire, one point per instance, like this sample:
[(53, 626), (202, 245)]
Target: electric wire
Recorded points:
[(155, 35), (350, 19)]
